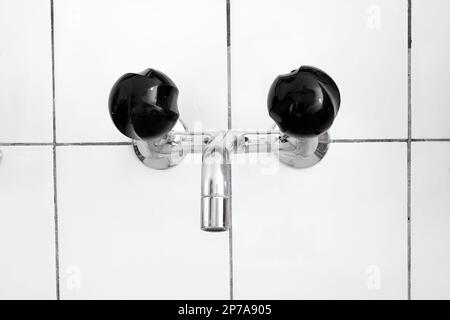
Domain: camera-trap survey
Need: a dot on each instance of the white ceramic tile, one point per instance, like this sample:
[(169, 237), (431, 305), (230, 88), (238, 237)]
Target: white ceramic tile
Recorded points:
[(25, 76), (98, 41), (362, 44), (430, 68), (27, 243), (334, 231), (430, 188), (131, 232)]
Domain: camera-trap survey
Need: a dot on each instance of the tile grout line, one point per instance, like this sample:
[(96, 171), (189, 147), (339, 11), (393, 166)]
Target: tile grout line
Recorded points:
[(26, 144), (431, 140), (55, 189), (367, 140), (409, 148), (228, 8), (129, 143), (230, 232), (88, 144)]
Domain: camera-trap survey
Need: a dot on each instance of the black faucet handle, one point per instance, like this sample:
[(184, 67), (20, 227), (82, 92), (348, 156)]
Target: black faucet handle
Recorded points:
[(304, 102), (144, 105)]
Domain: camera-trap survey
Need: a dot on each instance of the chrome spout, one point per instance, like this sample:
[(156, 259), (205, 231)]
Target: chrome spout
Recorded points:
[(216, 183)]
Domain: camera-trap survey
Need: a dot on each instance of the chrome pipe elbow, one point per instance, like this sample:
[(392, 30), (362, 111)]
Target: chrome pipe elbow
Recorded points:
[(216, 184)]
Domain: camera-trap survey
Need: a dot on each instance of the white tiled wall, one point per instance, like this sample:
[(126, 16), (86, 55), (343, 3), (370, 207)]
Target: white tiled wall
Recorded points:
[(98, 41), (25, 71), (362, 44), (431, 220), (338, 230), (334, 231), (27, 229), (130, 232), (430, 68)]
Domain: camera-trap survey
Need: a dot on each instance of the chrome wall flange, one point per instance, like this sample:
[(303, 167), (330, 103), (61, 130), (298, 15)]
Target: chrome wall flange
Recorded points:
[(303, 153), (162, 153)]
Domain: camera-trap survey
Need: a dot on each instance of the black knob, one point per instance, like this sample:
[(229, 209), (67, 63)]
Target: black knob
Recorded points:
[(304, 102), (144, 105)]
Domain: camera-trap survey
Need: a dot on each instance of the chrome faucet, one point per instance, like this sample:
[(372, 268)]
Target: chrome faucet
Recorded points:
[(303, 104)]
